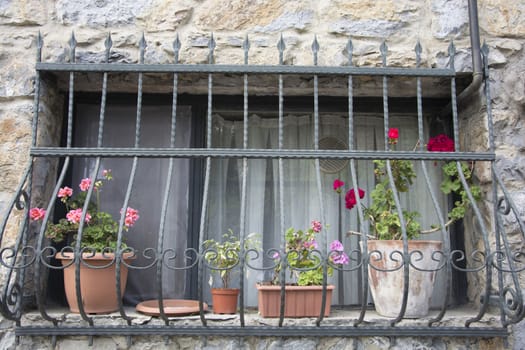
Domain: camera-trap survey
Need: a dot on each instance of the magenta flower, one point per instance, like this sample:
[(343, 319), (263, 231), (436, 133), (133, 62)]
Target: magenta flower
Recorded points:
[(338, 184), (84, 184), (338, 255), (350, 199), (65, 192), (340, 258), (393, 133), (316, 226), (74, 216), (336, 246), (440, 143), (37, 213), (276, 255)]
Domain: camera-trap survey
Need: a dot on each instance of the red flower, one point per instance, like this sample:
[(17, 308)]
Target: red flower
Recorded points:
[(393, 133), (337, 185), (350, 199), (440, 143)]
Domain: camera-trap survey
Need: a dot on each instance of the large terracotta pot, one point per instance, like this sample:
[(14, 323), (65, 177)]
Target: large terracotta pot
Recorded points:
[(97, 285), (386, 276), (300, 301), (224, 300)]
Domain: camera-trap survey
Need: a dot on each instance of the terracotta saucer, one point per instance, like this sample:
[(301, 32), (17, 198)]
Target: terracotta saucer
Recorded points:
[(172, 307)]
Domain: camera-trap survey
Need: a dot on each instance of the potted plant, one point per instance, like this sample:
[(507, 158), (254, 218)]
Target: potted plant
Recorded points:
[(303, 293), (222, 257), (385, 246), (97, 245)]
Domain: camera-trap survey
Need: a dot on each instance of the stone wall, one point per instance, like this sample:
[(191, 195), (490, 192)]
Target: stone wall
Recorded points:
[(400, 22)]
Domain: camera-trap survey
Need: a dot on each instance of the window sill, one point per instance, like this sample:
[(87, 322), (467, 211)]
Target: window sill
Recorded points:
[(342, 318)]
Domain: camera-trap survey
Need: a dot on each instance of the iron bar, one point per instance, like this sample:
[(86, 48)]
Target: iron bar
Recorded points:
[(119, 152), (324, 251), (283, 257), (242, 69), (129, 189), (268, 331), (242, 219), (395, 194), (444, 234)]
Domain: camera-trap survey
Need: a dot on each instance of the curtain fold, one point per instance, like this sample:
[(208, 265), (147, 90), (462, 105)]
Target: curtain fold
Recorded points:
[(301, 198)]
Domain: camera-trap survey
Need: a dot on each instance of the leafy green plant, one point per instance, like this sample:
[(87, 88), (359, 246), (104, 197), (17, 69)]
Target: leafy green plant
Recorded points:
[(383, 214), (100, 230), (224, 255)]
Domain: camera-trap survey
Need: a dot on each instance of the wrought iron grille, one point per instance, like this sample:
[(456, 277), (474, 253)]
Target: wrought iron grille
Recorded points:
[(30, 253)]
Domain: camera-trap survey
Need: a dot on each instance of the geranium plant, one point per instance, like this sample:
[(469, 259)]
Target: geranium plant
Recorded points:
[(382, 213), (100, 230), (223, 255), (303, 258)]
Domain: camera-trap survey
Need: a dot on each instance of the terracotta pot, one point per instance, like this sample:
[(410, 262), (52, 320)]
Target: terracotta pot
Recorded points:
[(386, 287), (97, 285), (300, 301), (224, 300)]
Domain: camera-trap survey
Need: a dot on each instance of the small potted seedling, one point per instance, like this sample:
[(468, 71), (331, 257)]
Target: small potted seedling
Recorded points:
[(223, 258)]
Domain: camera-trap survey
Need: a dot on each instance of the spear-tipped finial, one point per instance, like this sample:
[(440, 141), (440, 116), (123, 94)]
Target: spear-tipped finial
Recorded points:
[(485, 49), (418, 49), (281, 46), (246, 48), (176, 48), (383, 49), (39, 45), (315, 49), (142, 47), (485, 57), (108, 44), (72, 47), (350, 51), (452, 54), (211, 46)]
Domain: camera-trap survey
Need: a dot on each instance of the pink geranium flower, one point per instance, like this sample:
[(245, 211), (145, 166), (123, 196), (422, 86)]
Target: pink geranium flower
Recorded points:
[(85, 184), (336, 246), (316, 226), (37, 214), (340, 258), (132, 215), (310, 244), (65, 192), (106, 173), (74, 216)]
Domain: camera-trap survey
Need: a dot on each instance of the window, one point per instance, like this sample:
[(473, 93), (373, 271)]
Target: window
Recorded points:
[(205, 198), (301, 197)]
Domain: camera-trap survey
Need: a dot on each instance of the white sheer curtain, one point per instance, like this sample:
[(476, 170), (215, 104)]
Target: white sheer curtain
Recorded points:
[(148, 189), (301, 197)]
